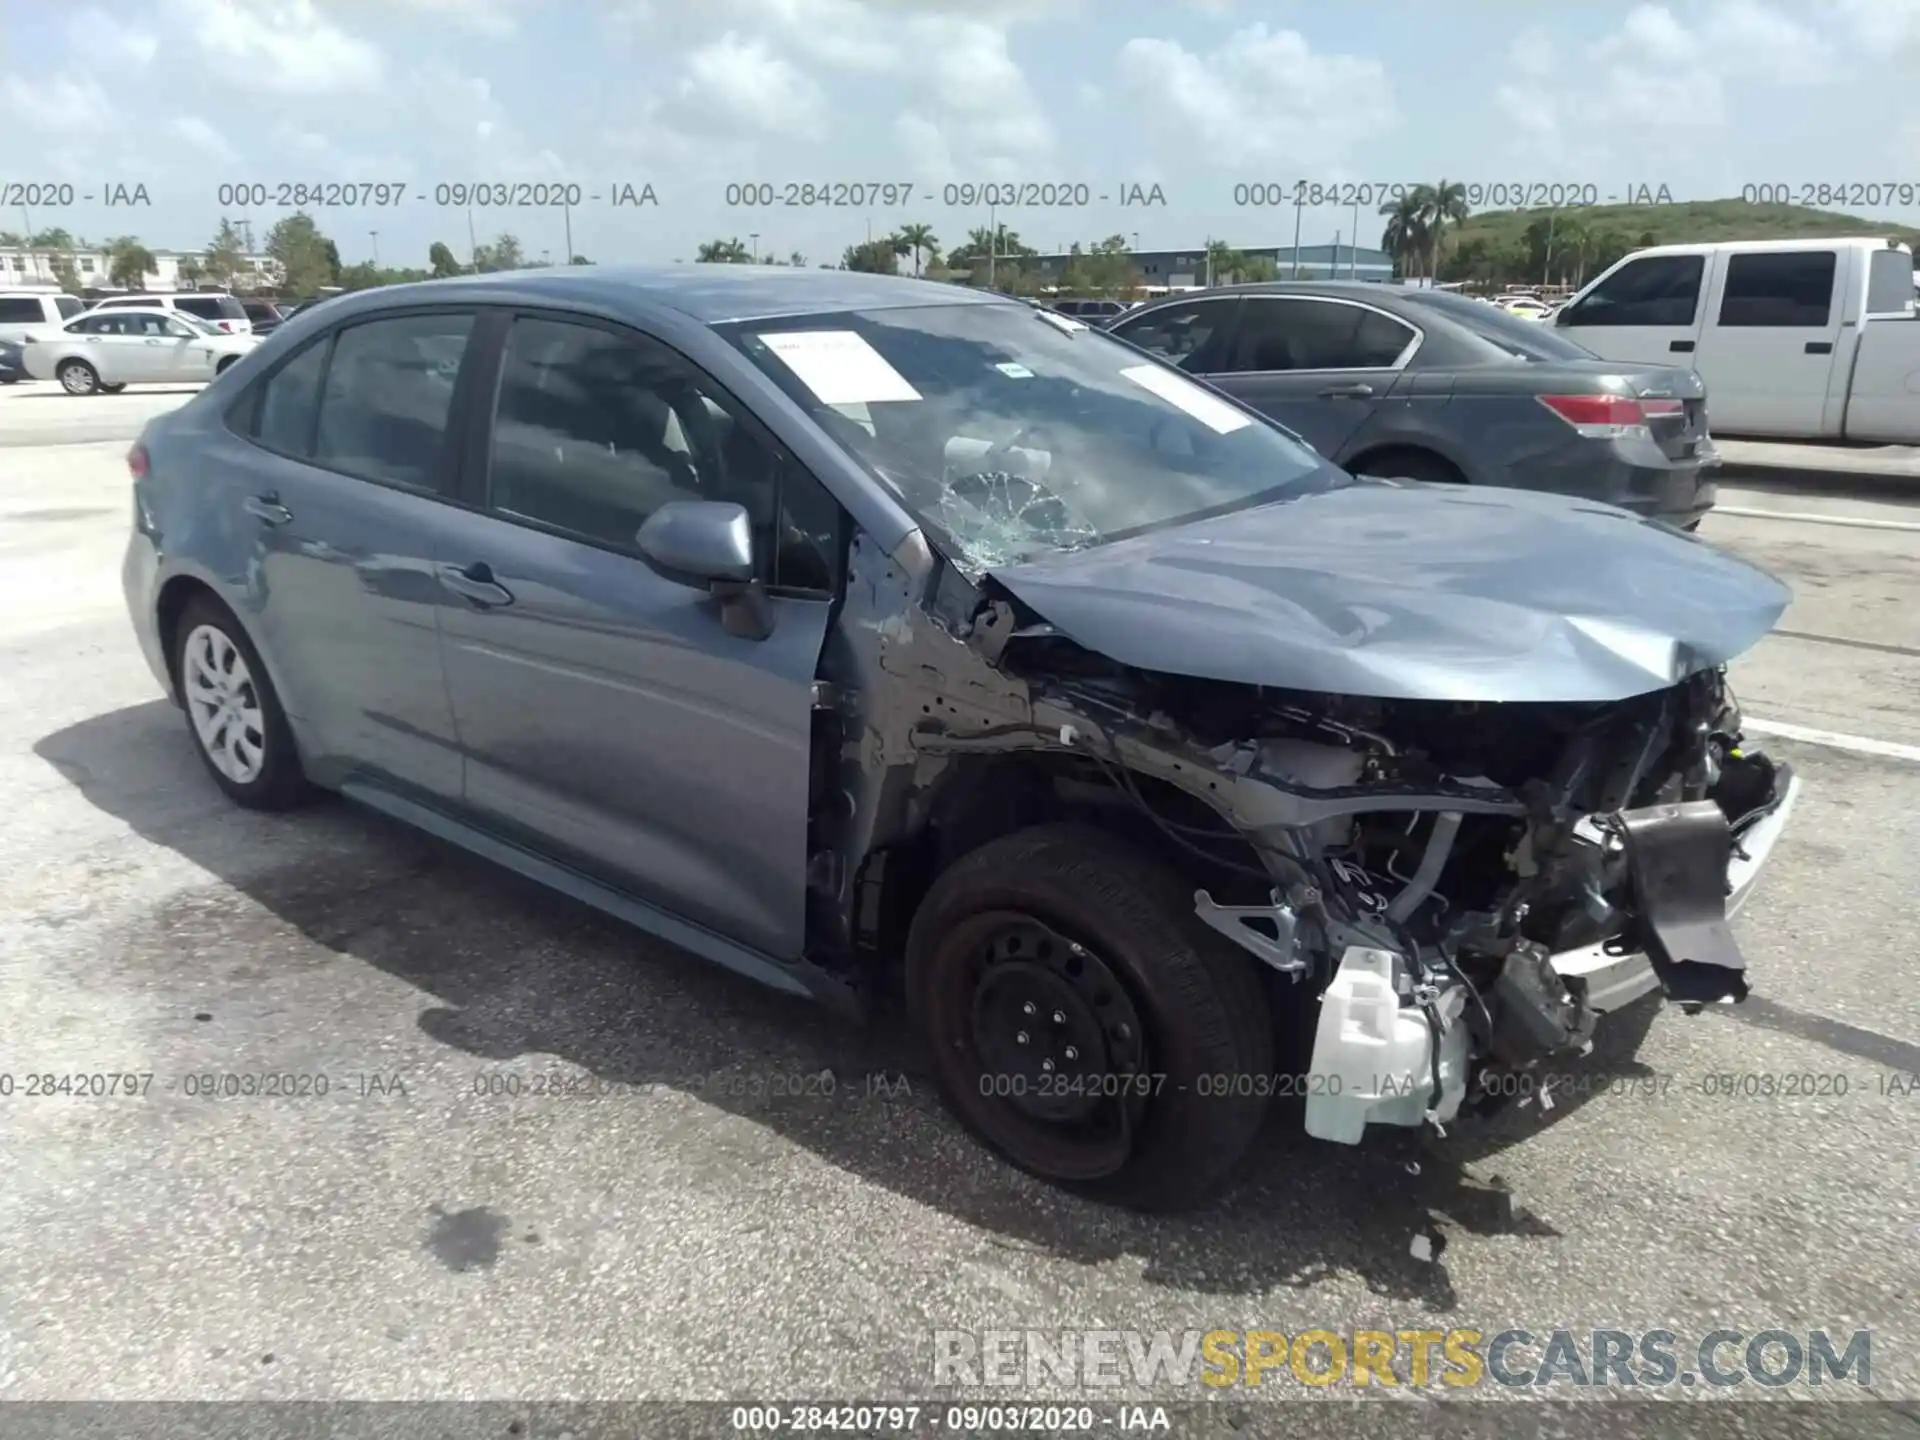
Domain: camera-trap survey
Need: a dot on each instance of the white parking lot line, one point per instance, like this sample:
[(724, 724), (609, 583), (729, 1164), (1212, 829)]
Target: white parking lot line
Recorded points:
[(1833, 739), (1803, 517)]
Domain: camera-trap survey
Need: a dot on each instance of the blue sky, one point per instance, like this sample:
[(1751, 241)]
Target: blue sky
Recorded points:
[(1195, 96)]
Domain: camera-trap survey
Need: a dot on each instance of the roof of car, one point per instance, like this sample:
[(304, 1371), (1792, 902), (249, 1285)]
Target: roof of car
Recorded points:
[(711, 294)]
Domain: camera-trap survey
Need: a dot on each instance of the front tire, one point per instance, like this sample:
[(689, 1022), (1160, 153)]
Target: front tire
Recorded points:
[(238, 726), (1083, 1024), (77, 377), (1412, 465)]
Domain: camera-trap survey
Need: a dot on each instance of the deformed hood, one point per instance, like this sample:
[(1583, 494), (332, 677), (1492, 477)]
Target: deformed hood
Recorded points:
[(1410, 591)]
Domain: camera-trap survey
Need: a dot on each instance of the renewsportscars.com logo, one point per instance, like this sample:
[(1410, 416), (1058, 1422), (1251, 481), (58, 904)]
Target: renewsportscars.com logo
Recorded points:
[(1458, 1358)]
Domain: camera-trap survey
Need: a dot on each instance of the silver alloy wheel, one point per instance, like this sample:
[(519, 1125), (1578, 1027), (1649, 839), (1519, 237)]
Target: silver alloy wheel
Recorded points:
[(224, 705), (77, 378)]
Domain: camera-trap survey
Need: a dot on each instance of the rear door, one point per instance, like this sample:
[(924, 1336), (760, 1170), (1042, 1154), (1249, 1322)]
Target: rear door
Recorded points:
[(116, 343), (1319, 366), (347, 494), (609, 718), (1767, 352), (1648, 311)]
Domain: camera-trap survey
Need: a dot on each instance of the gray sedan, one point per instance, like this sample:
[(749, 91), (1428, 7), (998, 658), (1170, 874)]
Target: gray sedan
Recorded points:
[(868, 636), (1429, 385)]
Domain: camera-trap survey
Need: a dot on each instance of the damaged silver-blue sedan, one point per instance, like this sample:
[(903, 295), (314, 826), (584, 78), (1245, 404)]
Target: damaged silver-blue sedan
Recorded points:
[(873, 636)]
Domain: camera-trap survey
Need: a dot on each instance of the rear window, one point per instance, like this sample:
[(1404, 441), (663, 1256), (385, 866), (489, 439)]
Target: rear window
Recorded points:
[(1890, 283), (1790, 289), (211, 307), (18, 308), (69, 306), (1529, 339)]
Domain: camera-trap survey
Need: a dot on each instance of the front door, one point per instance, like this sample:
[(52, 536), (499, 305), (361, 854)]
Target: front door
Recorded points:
[(117, 345), (608, 717), (174, 351), (1648, 312), (1770, 340), (344, 494), (1319, 366)]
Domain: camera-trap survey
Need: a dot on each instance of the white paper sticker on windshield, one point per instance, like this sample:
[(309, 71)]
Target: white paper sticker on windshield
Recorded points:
[(840, 367), (1013, 370), (1209, 410)]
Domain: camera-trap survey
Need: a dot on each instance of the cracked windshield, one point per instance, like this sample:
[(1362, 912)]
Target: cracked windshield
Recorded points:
[(1009, 432)]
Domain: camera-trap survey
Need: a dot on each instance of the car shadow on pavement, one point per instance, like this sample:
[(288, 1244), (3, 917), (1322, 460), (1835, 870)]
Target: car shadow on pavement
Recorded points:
[(514, 970)]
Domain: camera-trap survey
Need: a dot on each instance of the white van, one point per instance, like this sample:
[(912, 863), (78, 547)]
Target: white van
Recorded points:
[(24, 311), (1796, 339)]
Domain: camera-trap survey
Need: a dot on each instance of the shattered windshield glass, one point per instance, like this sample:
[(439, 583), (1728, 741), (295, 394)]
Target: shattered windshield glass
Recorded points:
[(1010, 432)]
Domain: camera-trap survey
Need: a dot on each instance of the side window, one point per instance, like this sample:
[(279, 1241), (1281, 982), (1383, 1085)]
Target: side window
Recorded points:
[(389, 388), (92, 325), (594, 431), (1179, 334), (290, 400), (1890, 283), (1661, 290), (1316, 335), (176, 330), (22, 308), (1785, 290)]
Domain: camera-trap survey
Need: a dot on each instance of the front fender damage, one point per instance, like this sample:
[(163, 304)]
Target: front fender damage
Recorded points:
[(1418, 869)]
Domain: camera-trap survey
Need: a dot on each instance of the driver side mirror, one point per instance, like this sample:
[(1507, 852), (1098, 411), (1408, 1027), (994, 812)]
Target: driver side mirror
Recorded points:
[(710, 542)]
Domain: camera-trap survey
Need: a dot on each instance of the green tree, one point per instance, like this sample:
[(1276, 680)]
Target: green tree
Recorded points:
[(225, 255), (1405, 236), (921, 241), (305, 258), (440, 261), (875, 257), (723, 252), (580, 260), (129, 263), (191, 271), (65, 274), (503, 254), (1440, 206)]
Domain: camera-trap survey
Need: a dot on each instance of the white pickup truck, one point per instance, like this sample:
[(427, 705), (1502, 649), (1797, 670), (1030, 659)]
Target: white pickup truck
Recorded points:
[(1795, 339)]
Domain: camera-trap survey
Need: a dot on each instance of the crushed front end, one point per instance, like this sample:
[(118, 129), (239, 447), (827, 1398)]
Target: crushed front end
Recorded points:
[(1460, 887)]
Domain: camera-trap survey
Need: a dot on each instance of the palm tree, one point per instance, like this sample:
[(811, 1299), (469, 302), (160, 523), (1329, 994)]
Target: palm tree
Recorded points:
[(1405, 237), (723, 252), (1440, 206), (922, 242), (1223, 262)]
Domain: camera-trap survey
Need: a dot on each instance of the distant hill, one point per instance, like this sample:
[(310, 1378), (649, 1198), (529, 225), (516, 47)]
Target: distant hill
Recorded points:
[(1692, 223)]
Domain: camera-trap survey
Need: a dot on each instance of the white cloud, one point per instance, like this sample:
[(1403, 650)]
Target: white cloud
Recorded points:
[(991, 124), (194, 131), (281, 45), (1656, 75), (487, 17), (94, 33), (743, 83), (1264, 95), (61, 104)]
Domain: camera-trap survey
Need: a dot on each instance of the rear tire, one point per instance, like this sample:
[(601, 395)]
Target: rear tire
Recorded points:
[(234, 715), (77, 377), (1063, 942), (1421, 465)]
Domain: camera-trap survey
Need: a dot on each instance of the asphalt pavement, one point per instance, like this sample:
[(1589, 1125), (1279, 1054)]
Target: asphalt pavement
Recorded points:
[(656, 1224)]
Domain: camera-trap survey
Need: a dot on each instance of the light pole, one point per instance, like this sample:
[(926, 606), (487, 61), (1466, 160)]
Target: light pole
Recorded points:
[(1353, 261), (567, 211), (993, 240), (753, 238), (473, 245), (33, 259), (376, 248), (1298, 209)]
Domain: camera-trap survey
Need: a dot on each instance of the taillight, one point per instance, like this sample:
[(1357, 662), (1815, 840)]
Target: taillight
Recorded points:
[(1609, 417), (137, 463)]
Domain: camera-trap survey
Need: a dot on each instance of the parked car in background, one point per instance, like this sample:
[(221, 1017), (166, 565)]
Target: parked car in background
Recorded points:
[(1796, 339), (11, 370), (1527, 307), (264, 315), (1427, 384), (110, 349), (1094, 312), (25, 310), (223, 312), (867, 635)]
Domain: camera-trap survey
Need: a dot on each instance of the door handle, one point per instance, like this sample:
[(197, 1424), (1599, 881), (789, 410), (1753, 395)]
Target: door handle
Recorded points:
[(1348, 392), (267, 509), (153, 342), (475, 582), (1681, 347), (1819, 347)]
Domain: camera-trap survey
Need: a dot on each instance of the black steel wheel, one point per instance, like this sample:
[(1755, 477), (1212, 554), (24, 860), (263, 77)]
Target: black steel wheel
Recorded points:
[(1081, 1021)]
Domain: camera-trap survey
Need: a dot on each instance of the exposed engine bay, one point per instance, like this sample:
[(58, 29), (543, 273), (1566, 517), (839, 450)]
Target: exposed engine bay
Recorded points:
[(1412, 865)]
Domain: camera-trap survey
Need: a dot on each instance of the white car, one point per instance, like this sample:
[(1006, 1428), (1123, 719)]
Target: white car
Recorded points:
[(108, 350), (224, 312)]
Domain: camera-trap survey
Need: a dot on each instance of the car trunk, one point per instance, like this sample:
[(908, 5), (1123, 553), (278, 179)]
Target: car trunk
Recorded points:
[(1674, 399)]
